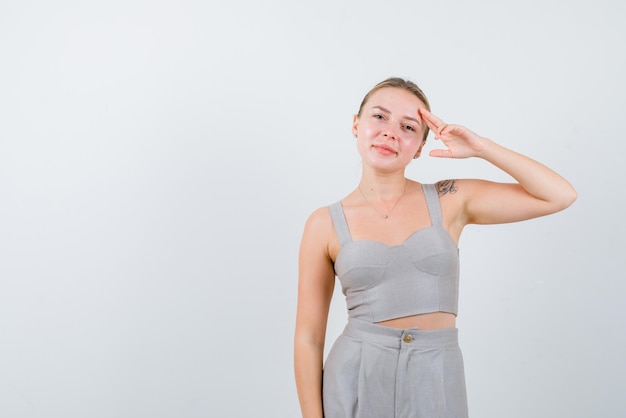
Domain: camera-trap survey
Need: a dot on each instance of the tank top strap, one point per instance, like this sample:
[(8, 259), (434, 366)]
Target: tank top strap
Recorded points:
[(339, 222), (432, 200)]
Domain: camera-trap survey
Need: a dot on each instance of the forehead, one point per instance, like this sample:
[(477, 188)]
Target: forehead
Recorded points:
[(396, 99)]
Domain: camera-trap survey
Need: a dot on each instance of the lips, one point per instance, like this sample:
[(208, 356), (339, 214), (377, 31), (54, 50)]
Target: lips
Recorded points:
[(384, 149)]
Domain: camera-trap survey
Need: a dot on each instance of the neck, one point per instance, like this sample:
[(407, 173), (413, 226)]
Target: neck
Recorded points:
[(383, 187)]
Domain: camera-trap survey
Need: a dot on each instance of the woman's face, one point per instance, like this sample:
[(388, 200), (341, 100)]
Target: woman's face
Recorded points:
[(390, 129)]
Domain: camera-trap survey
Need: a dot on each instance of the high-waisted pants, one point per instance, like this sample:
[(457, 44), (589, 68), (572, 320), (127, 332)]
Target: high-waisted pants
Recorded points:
[(375, 371)]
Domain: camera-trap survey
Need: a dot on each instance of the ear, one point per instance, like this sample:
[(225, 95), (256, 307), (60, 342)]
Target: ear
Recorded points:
[(355, 125), (419, 150)]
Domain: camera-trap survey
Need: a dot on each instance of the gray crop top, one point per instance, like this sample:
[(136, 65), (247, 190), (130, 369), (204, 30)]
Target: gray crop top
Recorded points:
[(384, 282)]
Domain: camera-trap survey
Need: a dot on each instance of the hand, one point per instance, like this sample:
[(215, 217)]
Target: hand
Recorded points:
[(460, 141)]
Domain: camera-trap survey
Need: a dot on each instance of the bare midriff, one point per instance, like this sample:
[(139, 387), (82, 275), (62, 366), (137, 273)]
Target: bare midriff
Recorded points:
[(435, 320)]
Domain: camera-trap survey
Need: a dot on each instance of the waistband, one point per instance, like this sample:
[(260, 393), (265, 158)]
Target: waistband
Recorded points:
[(395, 337)]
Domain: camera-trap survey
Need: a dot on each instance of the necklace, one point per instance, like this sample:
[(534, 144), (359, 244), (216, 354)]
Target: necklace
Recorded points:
[(384, 215)]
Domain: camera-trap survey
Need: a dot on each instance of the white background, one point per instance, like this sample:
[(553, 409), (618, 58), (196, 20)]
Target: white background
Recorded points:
[(158, 160)]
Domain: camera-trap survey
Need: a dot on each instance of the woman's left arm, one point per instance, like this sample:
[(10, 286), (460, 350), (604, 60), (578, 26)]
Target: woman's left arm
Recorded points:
[(539, 191)]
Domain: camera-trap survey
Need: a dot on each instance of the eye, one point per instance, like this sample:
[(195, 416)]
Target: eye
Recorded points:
[(409, 128), (378, 116)]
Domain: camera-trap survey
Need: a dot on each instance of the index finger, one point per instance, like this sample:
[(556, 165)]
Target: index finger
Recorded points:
[(434, 123), (430, 118)]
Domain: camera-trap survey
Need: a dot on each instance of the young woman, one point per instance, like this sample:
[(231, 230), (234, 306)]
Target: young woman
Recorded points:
[(393, 244)]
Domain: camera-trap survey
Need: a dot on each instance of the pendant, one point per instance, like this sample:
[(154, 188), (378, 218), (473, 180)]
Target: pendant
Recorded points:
[(385, 216)]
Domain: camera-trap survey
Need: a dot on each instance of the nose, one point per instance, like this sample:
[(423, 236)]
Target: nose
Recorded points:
[(390, 133)]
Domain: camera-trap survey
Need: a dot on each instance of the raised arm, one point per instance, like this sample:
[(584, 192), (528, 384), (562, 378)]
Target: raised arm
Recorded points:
[(539, 190), (316, 282)]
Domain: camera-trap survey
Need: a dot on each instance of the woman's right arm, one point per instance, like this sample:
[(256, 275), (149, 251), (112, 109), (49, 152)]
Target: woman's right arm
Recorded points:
[(316, 282)]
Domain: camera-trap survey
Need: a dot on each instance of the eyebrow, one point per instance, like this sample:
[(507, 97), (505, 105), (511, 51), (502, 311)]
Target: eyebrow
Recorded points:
[(405, 117)]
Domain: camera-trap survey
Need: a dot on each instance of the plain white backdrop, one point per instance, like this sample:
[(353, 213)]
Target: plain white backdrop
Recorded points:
[(158, 160)]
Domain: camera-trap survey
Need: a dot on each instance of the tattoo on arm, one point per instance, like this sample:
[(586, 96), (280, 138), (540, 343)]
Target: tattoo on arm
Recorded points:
[(445, 187)]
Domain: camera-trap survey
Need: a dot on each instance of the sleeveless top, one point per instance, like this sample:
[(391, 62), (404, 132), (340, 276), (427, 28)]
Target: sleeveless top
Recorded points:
[(382, 282)]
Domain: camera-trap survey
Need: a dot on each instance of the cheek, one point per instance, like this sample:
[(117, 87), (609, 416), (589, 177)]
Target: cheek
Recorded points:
[(368, 129), (361, 145), (412, 143)]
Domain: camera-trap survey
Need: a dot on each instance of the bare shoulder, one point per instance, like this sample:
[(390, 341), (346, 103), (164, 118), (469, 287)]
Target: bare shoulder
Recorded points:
[(319, 220), (445, 187), (319, 226), (319, 233), (459, 188), (453, 196)]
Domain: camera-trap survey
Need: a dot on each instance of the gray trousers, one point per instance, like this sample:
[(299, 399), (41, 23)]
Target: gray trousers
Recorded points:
[(374, 371)]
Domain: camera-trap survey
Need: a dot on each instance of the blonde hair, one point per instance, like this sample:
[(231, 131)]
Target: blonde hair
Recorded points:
[(398, 83)]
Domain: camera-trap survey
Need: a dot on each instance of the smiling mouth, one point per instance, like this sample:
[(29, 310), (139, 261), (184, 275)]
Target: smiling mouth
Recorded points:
[(385, 149)]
